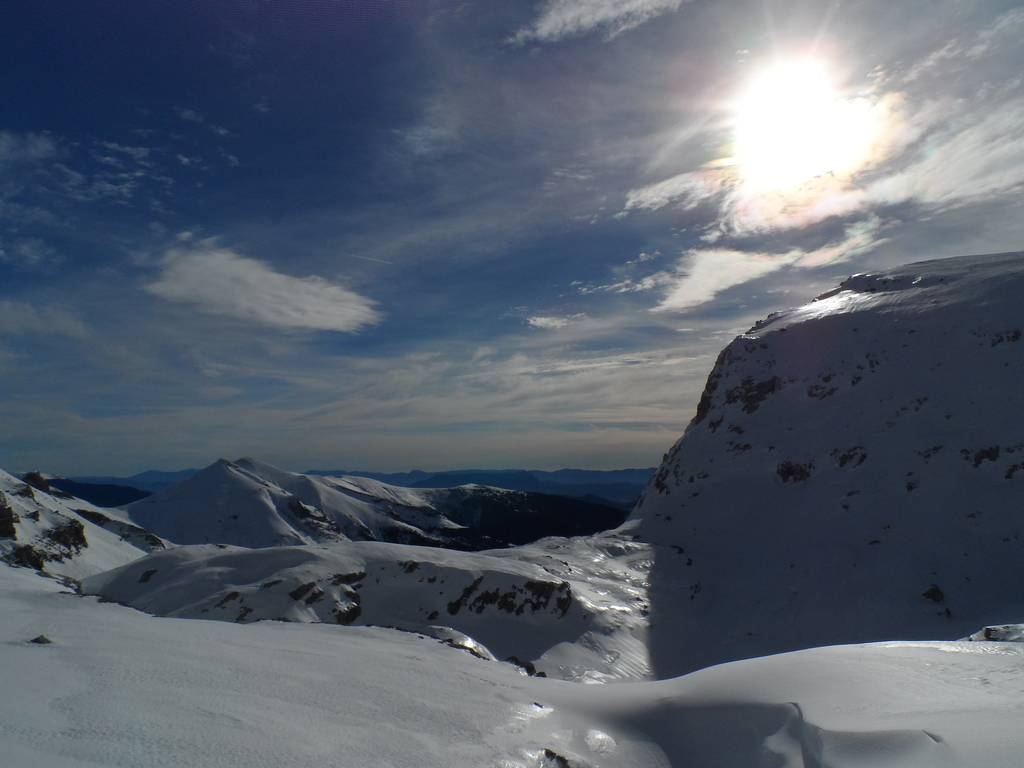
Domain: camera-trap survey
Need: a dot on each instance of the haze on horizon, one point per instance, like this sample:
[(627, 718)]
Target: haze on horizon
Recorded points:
[(381, 236)]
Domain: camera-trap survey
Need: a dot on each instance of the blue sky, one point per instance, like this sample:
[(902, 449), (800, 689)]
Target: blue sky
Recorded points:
[(396, 234)]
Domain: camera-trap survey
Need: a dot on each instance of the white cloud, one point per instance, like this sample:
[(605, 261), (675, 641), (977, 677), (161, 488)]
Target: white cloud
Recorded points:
[(860, 237), (567, 18), (550, 323), (690, 189), (221, 282), (632, 285), (705, 273), (189, 115), (18, 318), (1005, 30), (136, 153), (972, 159)]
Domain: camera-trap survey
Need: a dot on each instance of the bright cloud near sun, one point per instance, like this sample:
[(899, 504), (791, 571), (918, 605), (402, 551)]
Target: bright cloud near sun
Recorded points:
[(705, 273), (801, 148), (806, 149), (701, 274), (221, 282)]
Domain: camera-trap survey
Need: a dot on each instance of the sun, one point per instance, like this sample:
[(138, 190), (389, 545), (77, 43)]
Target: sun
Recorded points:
[(793, 125)]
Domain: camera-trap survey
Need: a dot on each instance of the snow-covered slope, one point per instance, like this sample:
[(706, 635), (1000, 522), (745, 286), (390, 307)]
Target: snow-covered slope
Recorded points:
[(250, 503), (119, 687), (58, 535), (519, 602), (855, 472)]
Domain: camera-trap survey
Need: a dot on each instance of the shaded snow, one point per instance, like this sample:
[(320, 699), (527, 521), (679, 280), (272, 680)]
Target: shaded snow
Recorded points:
[(853, 473)]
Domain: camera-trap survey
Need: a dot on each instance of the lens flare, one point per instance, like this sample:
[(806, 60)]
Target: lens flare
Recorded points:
[(793, 125)]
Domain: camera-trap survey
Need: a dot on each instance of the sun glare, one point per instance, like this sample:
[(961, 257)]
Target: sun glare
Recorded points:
[(793, 125)]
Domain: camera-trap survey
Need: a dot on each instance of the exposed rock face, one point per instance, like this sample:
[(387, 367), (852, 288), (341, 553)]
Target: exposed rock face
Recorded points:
[(853, 472)]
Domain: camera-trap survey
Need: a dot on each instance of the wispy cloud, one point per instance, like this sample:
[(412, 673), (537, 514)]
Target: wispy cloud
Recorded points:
[(28, 147), (972, 159), (559, 19), (551, 323), (18, 318), (135, 153), (705, 273), (221, 282), (189, 115), (28, 252), (858, 238)]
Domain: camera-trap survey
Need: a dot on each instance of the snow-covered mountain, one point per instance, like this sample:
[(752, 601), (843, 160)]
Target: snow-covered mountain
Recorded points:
[(58, 535), (271, 544), (854, 472), (249, 503)]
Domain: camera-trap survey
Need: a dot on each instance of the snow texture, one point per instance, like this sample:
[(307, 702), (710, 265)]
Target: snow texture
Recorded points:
[(117, 687)]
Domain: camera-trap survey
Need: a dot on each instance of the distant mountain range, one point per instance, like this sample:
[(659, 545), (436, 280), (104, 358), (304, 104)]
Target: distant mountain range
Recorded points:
[(618, 488), (250, 503), (151, 480)]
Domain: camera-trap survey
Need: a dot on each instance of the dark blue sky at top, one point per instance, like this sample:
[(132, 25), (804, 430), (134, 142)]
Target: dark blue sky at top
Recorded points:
[(387, 234)]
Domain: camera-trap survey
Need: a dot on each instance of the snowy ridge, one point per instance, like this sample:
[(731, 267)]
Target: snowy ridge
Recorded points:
[(517, 603), (249, 503), (855, 472), (61, 536)]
